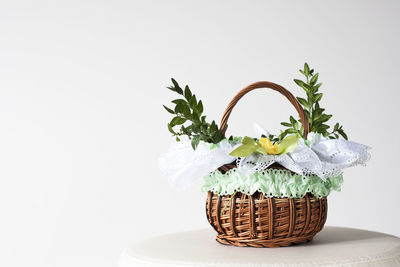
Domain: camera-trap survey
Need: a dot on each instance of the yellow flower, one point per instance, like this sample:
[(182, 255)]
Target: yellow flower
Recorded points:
[(268, 146)]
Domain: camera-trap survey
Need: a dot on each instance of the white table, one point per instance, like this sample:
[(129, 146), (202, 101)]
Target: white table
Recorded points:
[(333, 246)]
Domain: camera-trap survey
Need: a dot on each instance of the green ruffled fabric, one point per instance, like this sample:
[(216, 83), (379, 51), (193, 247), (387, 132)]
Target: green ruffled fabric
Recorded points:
[(270, 182)]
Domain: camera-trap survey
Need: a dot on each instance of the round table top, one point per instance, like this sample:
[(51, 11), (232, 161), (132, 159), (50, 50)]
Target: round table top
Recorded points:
[(333, 246)]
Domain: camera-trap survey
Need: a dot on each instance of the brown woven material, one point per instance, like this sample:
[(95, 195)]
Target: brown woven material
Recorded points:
[(259, 221), (292, 99)]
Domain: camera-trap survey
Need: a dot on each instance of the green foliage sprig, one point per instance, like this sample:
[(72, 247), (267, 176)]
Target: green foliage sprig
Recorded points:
[(315, 114), (190, 111), (188, 115)]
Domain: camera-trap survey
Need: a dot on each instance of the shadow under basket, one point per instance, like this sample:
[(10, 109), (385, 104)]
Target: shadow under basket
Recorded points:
[(257, 221)]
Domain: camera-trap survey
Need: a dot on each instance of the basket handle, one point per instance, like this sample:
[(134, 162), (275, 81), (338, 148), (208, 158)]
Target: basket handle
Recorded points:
[(273, 86)]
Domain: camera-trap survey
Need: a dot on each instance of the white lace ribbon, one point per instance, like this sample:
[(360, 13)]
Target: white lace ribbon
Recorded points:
[(322, 157), (182, 165)]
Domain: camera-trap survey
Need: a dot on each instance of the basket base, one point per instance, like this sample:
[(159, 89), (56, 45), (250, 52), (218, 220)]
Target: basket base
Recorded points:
[(260, 243), (256, 221)]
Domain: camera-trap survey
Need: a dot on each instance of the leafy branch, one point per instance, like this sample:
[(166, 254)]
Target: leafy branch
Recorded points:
[(190, 111), (315, 114)]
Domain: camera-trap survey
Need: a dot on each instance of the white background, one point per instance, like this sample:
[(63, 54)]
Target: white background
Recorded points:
[(81, 122)]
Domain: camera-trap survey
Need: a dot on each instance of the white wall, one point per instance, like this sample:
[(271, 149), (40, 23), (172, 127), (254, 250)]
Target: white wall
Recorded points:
[(81, 123)]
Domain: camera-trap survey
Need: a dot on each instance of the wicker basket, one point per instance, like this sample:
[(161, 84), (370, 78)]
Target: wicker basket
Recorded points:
[(259, 221)]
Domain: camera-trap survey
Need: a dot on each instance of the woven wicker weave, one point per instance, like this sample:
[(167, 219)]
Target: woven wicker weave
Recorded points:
[(259, 221)]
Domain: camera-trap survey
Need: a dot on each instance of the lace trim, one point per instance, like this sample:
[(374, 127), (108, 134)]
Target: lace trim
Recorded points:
[(321, 157), (270, 182)]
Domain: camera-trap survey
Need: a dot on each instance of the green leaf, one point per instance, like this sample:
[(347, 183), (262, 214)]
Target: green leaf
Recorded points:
[(283, 134), (169, 110), (336, 127), (196, 128), (292, 120), (311, 98), (306, 69), (218, 136), (179, 101), (288, 144), (316, 114), (196, 116), (343, 134), (186, 130), (170, 129), (323, 118), (193, 101), (176, 87), (296, 126), (178, 109), (195, 142), (177, 121), (286, 124), (174, 82), (213, 127), (318, 97), (171, 88), (303, 101), (302, 84), (200, 107), (316, 87), (299, 83), (185, 109), (314, 79), (261, 150), (244, 150), (323, 127), (187, 93), (248, 141)]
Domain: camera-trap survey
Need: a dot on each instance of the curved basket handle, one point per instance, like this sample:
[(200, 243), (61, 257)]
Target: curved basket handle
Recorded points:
[(272, 86)]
